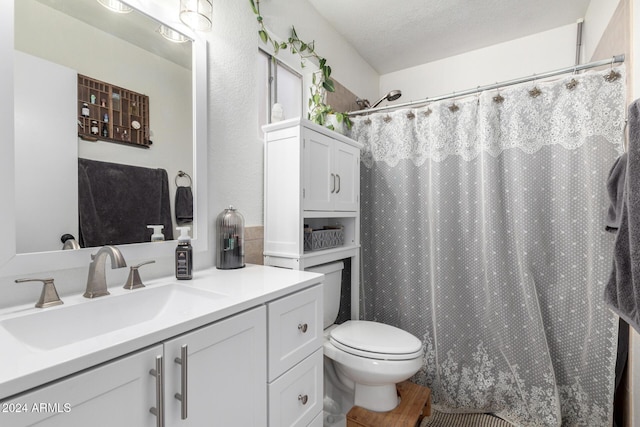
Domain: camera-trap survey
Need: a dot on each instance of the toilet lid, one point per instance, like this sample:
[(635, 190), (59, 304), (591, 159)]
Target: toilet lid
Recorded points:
[(375, 340)]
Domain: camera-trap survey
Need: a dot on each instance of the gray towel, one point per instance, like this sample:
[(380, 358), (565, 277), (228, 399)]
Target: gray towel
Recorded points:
[(184, 205), (116, 203), (622, 293), (615, 188)]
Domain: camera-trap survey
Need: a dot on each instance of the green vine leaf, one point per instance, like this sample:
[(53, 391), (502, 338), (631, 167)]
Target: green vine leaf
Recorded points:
[(253, 6), (263, 35)]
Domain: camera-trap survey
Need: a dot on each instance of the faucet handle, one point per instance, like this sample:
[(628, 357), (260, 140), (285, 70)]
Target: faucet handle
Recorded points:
[(49, 296), (134, 281)]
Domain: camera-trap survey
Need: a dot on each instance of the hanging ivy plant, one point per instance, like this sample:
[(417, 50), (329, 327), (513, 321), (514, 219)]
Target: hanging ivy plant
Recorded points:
[(321, 81)]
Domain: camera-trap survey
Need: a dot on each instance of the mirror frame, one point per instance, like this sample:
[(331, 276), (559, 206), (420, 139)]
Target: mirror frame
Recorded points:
[(12, 263)]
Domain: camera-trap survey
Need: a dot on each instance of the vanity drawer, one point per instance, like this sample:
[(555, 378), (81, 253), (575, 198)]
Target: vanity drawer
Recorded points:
[(295, 329), (295, 399), (317, 421)]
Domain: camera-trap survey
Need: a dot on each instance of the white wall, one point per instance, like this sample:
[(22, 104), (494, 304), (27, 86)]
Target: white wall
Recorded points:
[(46, 153), (235, 152), (546, 51), (596, 20), (504, 61), (348, 66)]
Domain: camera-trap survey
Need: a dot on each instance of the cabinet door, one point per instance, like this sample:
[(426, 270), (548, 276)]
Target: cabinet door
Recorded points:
[(347, 175), (319, 179), (226, 374), (119, 393)]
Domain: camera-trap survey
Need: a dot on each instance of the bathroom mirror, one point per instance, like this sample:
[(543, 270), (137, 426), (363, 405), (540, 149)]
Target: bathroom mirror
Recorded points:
[(124, 71)]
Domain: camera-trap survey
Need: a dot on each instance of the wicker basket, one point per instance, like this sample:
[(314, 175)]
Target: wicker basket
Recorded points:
[(323, 239)]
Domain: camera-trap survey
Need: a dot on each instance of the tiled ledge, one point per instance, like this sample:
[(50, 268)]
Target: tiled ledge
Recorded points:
[(254, 244)]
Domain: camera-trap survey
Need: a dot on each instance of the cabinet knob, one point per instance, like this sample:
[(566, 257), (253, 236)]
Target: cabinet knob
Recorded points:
[(303, 398), (302, 327)]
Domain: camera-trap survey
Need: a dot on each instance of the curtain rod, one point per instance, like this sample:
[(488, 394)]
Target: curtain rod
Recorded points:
[(575, 68)]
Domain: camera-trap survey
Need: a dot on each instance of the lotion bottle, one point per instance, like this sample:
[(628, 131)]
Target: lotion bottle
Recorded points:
[(157, 235), (184, 260)]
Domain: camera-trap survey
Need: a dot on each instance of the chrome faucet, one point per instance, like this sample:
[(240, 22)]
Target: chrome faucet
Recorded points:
[(97, 280)]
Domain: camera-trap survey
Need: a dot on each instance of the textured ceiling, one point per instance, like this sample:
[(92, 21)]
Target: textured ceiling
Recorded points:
[(395, 34)]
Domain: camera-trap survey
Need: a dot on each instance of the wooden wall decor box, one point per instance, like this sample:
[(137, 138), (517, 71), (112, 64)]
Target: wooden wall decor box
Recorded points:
[(127, 113)]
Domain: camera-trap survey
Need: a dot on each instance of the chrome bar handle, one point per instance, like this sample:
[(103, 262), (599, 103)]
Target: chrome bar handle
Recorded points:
[(158, 373), (182, 396), (333, 183), (339, 186)]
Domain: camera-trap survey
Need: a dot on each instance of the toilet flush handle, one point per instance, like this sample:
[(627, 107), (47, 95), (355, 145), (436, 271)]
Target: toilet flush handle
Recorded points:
[(302, 327)]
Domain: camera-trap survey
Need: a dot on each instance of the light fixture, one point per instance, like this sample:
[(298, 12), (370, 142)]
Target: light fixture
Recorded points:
[(171, 34), (116, 6), (196, 14)]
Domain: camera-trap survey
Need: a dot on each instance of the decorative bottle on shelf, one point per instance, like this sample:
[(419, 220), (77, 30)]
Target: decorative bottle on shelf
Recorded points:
[(85, 110), (230, 239), (94, 127), (105, 126)]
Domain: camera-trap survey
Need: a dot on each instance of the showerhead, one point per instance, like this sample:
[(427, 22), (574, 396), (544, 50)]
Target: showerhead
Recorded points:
[(391, 96)]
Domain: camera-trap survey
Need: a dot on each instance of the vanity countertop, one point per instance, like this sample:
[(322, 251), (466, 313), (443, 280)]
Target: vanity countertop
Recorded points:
[(24, 366)]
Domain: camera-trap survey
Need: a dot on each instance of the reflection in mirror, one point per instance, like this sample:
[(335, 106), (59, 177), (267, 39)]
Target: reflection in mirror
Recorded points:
[(55, 40)]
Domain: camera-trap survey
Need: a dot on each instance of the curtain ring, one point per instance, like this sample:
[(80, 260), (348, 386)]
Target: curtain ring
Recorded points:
[(498, 99), (613, 75), (534, 92)]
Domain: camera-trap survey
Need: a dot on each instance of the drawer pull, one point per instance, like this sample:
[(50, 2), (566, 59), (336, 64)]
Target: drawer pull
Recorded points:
[(303, 398), (302, 327)]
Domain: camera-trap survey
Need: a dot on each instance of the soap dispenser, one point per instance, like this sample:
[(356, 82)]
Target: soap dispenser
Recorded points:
[(230, 238), (157, 235), (184, 259)]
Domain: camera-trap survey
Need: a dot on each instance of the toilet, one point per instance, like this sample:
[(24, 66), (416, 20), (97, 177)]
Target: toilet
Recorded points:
[(367, 358)]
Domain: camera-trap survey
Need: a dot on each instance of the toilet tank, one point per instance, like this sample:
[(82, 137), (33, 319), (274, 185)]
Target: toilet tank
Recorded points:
[(332, 286)]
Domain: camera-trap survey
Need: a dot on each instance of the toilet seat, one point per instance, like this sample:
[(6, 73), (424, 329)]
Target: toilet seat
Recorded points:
[(375, 340)]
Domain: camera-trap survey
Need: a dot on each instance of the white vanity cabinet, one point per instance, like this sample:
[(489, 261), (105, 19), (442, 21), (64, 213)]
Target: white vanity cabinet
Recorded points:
[(118, 393), (295, 359), (225, 373), (223, 365)]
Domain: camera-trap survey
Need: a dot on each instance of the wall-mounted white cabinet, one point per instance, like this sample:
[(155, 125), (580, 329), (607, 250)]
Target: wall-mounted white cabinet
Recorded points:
[(312, 180), (330, 173), (220, 380)]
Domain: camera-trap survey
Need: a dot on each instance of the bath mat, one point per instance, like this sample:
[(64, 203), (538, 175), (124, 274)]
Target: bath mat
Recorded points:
[(441, 419)]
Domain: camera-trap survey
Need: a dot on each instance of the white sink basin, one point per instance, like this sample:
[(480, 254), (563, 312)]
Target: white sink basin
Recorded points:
[(51, 328)]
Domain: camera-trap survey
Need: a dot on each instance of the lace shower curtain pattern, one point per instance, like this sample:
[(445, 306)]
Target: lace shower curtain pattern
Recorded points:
[(483, 233)]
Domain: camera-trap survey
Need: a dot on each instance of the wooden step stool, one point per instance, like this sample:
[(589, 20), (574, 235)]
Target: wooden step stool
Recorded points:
[(414, 405)]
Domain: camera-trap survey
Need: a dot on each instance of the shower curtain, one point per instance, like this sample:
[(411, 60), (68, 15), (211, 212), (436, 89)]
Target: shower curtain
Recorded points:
[(483, 235)]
